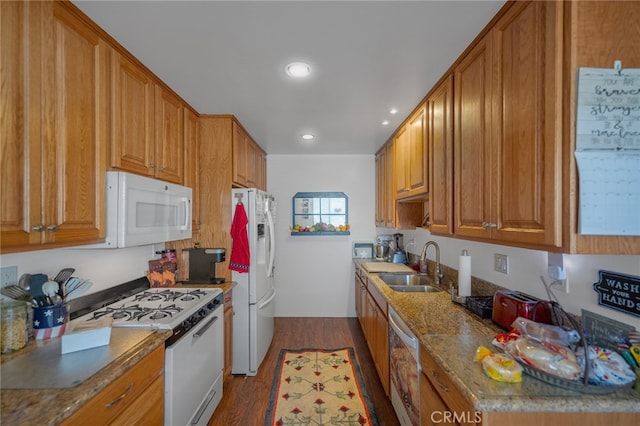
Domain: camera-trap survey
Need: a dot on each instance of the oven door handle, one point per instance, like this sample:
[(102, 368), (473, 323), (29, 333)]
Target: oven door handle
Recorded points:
[(204, 328), (410, 341)]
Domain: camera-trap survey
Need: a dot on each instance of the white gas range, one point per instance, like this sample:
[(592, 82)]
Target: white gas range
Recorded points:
[(194, 355)]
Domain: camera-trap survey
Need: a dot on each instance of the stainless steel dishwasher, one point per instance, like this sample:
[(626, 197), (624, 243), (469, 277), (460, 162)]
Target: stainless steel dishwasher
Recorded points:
[(404, 362)]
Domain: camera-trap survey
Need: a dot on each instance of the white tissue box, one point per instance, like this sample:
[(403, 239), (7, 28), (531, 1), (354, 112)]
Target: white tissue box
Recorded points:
[(83, 335)]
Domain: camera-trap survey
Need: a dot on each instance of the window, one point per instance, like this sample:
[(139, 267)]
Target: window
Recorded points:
[(320, 213)]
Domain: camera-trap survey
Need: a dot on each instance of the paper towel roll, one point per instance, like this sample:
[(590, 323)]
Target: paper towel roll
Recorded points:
[(464, 274)]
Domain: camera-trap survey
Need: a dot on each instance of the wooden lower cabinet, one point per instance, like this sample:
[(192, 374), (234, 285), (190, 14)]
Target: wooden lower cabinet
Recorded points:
[(228, 334), (442, 403), (136, 397), (371, 308)]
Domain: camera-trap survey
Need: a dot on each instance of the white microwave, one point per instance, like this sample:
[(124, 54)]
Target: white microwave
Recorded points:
[(143, 211)]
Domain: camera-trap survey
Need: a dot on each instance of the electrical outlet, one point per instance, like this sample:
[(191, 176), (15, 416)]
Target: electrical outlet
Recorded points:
[(8, 275), (561, 285), (501, 263)]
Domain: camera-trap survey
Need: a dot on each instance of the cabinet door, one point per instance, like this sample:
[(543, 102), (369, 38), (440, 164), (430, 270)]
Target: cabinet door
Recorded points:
[(526, 117), (75, 123), (380, 201), (440, 142), (401, 147), (228, 334), (132, 112), (252, 165), (389, 188), (191, 162), (169, 136), (382, 348), (147, 409), (432, 408), (416, 160), (240, 141), (20, 125), (472, 139)]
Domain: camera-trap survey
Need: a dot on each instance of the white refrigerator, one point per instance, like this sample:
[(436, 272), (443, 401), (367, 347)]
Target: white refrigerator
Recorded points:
[(254, 294)]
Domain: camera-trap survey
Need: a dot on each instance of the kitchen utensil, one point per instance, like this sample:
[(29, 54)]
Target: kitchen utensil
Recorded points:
[(24, 281), (75, 287), (16, 293), (50, 289), (35, 284), (62, 278)]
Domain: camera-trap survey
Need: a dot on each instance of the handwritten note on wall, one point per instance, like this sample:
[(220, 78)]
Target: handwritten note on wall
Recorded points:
[(608, 151)]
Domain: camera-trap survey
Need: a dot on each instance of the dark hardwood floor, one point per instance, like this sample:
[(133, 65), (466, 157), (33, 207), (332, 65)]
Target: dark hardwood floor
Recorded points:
[(246, 399)]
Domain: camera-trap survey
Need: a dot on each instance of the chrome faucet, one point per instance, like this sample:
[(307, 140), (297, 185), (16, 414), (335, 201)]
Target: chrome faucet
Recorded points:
[(423, 257)]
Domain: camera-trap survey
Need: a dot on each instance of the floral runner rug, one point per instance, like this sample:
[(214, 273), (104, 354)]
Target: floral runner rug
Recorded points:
[(317, 387)]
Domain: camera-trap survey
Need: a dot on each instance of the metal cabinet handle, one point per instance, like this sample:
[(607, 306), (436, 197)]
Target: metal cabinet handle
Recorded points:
[(161, 169), (489, 225), (121, 397), (38, 228), (52, 228), (152, 165), (441, 385)]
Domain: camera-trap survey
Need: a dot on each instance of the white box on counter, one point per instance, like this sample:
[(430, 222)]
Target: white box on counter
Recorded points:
[(82, 335)]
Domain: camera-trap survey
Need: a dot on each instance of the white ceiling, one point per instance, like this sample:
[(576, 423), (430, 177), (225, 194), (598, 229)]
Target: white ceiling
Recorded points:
[(227, 57)]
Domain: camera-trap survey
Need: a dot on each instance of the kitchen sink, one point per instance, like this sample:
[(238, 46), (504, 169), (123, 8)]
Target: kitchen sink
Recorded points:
[(409, 282)]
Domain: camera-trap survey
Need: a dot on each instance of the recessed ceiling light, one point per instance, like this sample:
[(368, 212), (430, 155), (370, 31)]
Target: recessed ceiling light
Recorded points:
[(393, 111), (298, 69), (385, 123), (308, 136)]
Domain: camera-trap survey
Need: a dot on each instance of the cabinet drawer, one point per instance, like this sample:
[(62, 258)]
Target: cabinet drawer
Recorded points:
[(381, 301), (459, 408), (120, 394), (148, 409)]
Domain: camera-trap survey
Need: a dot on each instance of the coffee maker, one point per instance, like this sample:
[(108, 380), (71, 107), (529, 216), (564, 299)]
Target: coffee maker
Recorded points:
[(202, 264)]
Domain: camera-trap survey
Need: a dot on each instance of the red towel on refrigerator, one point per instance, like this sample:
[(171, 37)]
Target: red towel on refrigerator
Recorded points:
[(240, 256)]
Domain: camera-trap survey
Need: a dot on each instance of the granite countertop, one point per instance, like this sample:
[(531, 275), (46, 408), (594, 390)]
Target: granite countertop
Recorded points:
[(51, 405), (451, 334)]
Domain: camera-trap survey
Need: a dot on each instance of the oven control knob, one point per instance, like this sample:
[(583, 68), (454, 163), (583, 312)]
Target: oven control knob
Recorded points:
[(186, 325)]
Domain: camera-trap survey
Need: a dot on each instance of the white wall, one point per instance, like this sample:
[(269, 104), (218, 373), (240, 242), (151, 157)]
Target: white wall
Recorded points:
[(314, 274), (526, 267), (104, 267)]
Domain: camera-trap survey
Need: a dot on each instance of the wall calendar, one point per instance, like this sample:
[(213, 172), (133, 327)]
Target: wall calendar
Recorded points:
[(608, 150)]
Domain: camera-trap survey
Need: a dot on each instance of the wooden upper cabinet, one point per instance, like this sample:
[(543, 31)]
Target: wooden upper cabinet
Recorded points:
[(20, 128), (240, 146), (601, 32), (147, 129), (417, 161), (191, 163), (472, 143), (400, 167), (526, 124), (249, 160), (132, 117), (58, 185), (440, 143), (508, 130), (169, 136), (410, 157)]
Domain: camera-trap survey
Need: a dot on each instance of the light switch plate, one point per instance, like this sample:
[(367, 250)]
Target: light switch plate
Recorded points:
[(501, 263), (8, 275)]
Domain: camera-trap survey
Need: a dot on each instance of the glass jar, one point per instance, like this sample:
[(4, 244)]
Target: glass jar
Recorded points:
[(15, 325)]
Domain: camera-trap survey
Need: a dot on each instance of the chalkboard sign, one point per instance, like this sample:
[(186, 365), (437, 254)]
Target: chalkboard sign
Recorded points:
[(602, 331), (619, 291)]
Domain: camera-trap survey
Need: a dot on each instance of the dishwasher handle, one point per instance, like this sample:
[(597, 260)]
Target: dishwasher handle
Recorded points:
[(408, 339)]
